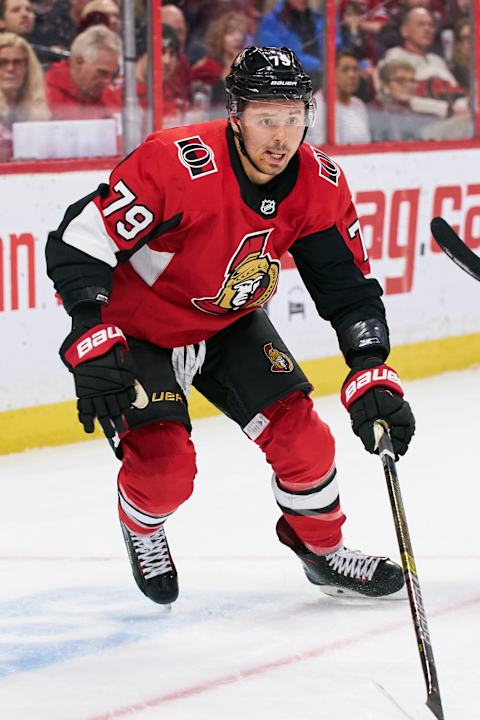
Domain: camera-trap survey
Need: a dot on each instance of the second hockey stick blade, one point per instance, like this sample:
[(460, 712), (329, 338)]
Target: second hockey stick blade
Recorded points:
[(455, 248)]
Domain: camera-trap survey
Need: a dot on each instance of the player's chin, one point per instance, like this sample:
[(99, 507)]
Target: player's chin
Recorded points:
[(277, 166)]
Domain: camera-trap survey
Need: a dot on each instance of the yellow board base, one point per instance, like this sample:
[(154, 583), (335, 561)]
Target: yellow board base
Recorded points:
[(57, 424)]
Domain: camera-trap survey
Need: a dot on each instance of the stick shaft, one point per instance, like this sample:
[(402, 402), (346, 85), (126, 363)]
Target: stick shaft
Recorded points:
[(417, 608)]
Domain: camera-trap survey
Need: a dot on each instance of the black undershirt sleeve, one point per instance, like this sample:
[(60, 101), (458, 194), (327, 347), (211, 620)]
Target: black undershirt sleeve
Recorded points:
[(340, 291)]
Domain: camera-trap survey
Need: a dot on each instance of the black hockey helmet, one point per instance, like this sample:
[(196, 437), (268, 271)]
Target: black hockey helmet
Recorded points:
[(268, 73)]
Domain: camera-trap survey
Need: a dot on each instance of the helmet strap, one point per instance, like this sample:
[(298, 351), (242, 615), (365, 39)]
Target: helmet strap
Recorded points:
[(243, 149)]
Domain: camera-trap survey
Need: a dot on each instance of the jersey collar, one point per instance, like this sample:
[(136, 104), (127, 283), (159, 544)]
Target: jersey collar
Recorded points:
[(262, 199)]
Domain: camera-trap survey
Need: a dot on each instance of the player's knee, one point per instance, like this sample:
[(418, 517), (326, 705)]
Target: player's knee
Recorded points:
[(296, 442), (159, 466)]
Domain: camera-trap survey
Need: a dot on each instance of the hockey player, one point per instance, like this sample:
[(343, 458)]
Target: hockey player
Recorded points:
[(165, 270)]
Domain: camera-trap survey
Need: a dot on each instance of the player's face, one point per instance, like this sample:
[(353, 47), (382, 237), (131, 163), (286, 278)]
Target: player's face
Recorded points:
[(13, 68), (272, 133)]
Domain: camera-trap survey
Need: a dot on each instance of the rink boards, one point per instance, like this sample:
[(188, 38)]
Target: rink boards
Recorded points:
[(433, 308)]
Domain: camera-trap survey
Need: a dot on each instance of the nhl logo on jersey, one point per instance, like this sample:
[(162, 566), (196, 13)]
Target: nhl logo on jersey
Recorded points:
[(267, 207), (196, 156), (328, 169), (280, 362)]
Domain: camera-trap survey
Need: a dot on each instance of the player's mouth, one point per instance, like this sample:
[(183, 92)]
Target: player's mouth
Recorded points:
[(275, 157)]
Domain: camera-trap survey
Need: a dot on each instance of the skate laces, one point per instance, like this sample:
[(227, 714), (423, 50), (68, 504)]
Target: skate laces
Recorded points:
[(353, 563), (186, 363), (152, 552)]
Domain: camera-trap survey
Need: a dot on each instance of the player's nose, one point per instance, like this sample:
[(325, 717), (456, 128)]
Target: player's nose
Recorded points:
[(279, 134)]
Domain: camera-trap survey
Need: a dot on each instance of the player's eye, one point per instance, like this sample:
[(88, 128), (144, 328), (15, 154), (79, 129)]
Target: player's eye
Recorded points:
[(267, 122), (293, 120)]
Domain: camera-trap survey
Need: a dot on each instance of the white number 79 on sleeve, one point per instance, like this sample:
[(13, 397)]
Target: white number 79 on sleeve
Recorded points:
[(355, 230), (136, 218)]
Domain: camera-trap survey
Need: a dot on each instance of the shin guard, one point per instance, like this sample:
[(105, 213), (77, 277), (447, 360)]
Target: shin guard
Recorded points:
[(301, 450), (156, 476)]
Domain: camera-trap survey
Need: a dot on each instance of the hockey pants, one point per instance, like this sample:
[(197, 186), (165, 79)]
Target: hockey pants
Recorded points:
[(159, 468)]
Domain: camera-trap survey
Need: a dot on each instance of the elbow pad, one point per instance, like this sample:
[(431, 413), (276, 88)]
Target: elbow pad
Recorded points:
[(367, 339)]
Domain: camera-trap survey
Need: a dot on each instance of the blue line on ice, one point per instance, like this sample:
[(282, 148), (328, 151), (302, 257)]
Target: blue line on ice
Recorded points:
[(40, 630)]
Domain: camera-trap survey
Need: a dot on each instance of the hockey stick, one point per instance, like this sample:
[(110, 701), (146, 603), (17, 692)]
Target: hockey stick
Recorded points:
[(455, 248), (140, 402), (419, 617)]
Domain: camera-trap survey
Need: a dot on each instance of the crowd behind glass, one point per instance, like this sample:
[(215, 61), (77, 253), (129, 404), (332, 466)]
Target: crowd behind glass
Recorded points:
[(402, 66)]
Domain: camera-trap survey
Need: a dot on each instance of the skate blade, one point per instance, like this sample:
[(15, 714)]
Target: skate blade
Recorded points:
[(338, 592)]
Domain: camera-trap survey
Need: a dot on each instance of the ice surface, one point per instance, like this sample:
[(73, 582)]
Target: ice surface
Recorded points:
[(249, 637)]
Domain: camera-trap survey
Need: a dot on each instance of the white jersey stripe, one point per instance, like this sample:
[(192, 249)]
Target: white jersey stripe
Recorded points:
[(150, 264), (87, 233)]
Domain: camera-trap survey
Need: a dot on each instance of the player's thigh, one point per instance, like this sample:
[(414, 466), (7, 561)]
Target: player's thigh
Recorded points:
[(248, 367), (155, 372)]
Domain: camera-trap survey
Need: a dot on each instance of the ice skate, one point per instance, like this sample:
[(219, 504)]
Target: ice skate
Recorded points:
[(152, 565), (346, 573)]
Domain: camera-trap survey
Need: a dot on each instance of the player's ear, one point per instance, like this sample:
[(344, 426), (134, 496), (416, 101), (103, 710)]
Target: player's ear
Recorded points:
[(235, 123)]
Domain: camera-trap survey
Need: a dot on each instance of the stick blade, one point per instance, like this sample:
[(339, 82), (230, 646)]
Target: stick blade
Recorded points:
[(435, 706), (431, 710), (455, 248)]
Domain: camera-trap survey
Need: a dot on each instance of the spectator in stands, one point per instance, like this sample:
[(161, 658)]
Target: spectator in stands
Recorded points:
[(392, 117), (374, 14), (178, 85), (437, 90), (59, 26), (22, 93), (353, 38), (224, 39), (390, 33), (81, 88), (293, 24), (17, 16), (174, 106), (351, 118), (101, 12), (200, 13), (455, 10), (462, 46)]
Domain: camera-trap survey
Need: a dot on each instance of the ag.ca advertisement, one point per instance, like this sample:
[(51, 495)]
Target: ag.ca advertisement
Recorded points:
[(396, 195)]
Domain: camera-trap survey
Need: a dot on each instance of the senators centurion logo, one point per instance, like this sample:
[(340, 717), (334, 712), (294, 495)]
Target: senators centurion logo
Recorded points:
[(279, 360), (250, 279)]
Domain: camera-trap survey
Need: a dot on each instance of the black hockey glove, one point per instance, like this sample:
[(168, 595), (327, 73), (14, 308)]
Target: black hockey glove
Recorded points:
[(104, 375), (375, 394)]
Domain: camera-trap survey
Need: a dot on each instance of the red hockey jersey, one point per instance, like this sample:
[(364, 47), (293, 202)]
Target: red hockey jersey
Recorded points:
[(185, 244)]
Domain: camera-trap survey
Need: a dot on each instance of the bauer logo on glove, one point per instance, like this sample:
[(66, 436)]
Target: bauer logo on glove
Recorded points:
[(93, 344), (365, 379), (373, 394)]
